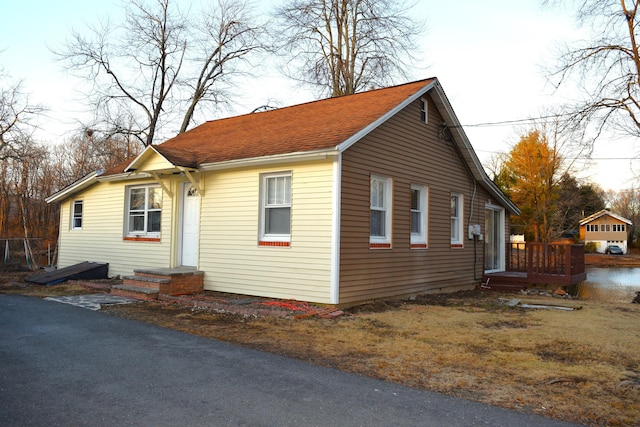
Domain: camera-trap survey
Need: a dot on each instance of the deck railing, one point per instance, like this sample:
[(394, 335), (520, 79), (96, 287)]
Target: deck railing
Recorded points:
[(543, 261)]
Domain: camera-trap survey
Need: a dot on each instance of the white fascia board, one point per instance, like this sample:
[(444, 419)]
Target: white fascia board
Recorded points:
[(85, 182), (361, 134), (141, 156), (602, 213), (270, 160), (125, 176)]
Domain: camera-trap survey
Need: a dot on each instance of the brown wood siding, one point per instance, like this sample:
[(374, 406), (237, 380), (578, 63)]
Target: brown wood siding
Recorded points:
[(409, 152)]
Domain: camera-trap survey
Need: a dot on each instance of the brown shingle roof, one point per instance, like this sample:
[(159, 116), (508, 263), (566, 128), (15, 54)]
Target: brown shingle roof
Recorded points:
[(306, 127)]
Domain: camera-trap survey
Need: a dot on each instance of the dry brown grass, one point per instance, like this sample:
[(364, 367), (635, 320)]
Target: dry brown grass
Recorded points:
[(581, 366)]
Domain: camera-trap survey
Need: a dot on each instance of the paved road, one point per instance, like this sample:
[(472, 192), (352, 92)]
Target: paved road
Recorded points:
[(65, 365)]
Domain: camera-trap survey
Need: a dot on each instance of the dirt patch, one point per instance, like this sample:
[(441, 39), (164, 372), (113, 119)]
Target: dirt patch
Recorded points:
[(579, 366)]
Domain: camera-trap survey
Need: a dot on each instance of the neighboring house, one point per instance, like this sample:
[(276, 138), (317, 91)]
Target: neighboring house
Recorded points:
[(336, 201), (605, 228)]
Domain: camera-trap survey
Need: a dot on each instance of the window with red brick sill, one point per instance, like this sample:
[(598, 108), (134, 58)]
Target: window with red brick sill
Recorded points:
[(275, 209), (144, 212)]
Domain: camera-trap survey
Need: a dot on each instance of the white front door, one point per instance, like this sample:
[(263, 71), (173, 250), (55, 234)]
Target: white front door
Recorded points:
[(190, 226)]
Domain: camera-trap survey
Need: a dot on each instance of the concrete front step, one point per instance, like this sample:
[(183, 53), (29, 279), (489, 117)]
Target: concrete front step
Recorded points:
[(135, 292)]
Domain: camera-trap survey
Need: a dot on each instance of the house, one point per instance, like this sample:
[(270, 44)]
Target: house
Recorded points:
[(336, 201), (605, 228)]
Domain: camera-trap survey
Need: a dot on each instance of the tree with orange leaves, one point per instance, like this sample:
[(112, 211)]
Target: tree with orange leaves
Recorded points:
[(529, 176)]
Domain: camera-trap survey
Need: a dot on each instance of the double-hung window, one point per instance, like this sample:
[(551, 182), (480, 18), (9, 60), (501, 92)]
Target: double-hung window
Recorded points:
[(144, 210), (419, 215), (76, 215), (275, 224), (456, 219), (380, 209)]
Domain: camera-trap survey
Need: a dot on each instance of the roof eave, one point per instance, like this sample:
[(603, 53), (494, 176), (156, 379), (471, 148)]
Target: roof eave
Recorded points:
[(84, 182), (304, 156)]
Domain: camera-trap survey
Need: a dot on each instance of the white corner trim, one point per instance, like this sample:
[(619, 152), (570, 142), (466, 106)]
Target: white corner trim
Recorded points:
[(335, 231)]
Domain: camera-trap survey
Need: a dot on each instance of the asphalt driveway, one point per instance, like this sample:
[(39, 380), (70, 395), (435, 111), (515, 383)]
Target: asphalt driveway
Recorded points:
[(65, 365)]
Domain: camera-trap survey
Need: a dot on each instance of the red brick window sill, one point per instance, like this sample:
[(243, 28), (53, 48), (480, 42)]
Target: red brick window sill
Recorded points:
[(418, 246), (379, 245), (274, 244), (457, 246), (140, 239)]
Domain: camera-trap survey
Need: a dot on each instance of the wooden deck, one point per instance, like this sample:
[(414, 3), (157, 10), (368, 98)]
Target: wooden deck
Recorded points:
[(538, 264)]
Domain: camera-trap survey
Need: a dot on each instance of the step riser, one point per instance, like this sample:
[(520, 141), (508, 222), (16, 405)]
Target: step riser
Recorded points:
[(183, 285), (141, 284), (135, 295)]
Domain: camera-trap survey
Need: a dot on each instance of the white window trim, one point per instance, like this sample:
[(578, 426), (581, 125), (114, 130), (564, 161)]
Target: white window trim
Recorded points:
[(421, 238), (263, 236), (460, 220), (424, 110), (73, 214), (387, 208), (145, 233)]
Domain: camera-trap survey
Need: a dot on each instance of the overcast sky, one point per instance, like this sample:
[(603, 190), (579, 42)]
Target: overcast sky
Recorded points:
[(487, 55)]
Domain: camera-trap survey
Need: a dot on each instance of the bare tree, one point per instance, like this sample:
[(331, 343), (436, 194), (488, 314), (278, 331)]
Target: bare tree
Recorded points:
[(626, 203), (225, 37), (15, 115), (146, 70), (87, 152), (607, 68), (346, 46)]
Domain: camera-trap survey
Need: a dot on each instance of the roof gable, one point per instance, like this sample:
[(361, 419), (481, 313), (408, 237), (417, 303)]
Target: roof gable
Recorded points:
[(150, 160), (602, 213)]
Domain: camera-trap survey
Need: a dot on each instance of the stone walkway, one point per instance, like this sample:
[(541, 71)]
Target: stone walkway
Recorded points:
[(92, 301)]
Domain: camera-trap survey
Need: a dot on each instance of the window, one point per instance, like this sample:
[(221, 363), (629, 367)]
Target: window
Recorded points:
[(456, 219), (424, 110), (144, 209), (419, 216), (618, 227), (76, 215), (276, 208), (380, 209)]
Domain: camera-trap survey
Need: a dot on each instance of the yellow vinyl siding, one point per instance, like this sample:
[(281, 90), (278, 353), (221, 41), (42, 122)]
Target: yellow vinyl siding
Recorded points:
[(101, 236), (229, 251), (153, 162)]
